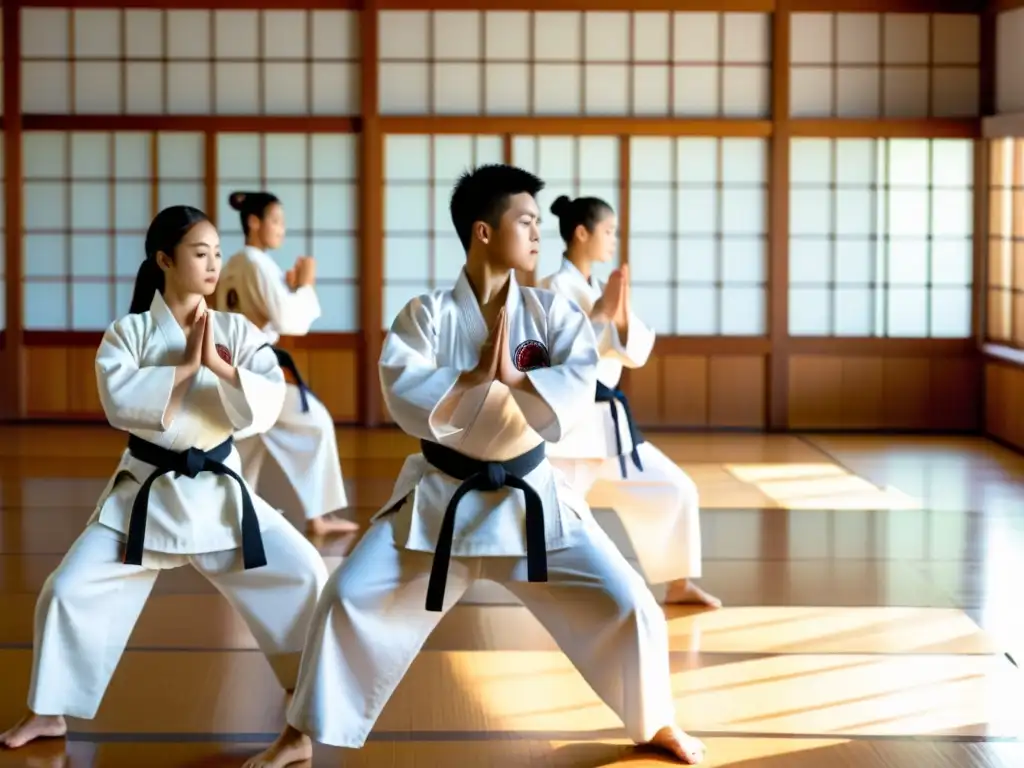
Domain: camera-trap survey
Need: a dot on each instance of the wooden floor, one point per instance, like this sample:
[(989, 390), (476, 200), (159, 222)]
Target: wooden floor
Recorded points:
[(873, 612)]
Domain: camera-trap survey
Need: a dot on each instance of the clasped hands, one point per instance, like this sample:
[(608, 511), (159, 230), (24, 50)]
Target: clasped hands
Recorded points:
[(496, 362), (303, 273), (613, 306), (201, 347)]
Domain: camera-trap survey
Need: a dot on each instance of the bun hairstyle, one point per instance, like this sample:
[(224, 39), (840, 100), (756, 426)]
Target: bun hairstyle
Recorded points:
[(587, 212), (165, 233), (251, 204)]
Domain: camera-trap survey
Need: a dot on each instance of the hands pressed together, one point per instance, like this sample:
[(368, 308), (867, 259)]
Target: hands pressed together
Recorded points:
[(613, 306), (303, 273), (496, 362), (201, 347)]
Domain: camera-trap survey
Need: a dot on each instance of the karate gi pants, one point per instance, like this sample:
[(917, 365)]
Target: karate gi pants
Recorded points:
[(89, 605), (305, 448), (659, 508), (371, 623)]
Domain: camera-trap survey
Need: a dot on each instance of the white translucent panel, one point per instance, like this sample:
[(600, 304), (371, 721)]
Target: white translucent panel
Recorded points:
[(339, 304), (651, 35), (285, 156), (457, 88), (908, 212), (441, 218), (556, 89), (507, 89), (44, 33), (906, 38), (697, 160), (744, 161), (91, 308), (123, 297), (336, 256), (90, 205), (952, 163), (810, 212), (908, 262), (697, 210), (396, 297), (746, 91), (296, 208), (556, 35), (336, 89), (855, 212), (909, 162), (45, 305), (859, 38), (507, 35), (696, 311), (810, 261), (743, 211), (607, 89), (181, 155), (952, 212), (406, 208), (810, 161), (855, 312), (606, 36), (129, 251), (236, 34), (810, 92), (449, 259), (91, 255), (744, 260), (144, 37), (558, 156), (955, 92), (697, 260), (44, 203), (957, 38), (181, 193), (489, 149), (856, 162), (524, 153), (651, 259), (188, 88), (132, 156), (45, 255), (407, 158), (857, 92), (651, 159), (188, 34), (44, 155), (747, 37), (907, 312), (952, 262), (857, 261), (97, 87), (407, 259), (743, 311), (810, 312), (656, 301), (45, 87), (652, 92), (97, 33), (811, 36), (404, 88), (452, 156), (695, 37), (906, 92), (144, 88), (284, 88), (951, 312), (695, 90), (237, 86), (598, 158), (335, 35), (284, 34), (650, 210), (238, 155)]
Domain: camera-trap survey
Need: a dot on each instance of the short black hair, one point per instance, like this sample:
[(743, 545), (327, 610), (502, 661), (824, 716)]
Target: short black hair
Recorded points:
[(483, 195)]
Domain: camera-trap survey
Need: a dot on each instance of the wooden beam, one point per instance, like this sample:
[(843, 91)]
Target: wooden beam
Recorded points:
[(13, 355)]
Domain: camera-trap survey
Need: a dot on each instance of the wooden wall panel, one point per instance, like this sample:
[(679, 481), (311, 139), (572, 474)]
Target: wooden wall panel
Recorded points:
[(905, 393), (1004, 403)]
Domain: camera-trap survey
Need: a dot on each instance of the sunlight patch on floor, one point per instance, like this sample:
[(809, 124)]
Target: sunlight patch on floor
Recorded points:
[(819, 486)]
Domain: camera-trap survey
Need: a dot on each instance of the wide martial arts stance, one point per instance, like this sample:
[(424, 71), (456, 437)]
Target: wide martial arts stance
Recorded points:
[(302, 442), (180, 379), (483, 374), (604, 457)]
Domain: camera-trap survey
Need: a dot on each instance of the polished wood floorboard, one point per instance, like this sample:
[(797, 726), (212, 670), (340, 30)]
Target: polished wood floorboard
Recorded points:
[(872, 619)]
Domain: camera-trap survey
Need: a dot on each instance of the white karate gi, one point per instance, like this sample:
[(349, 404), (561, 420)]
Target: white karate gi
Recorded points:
[(91, 602), (658, 506), (303, 443), (371, 620)]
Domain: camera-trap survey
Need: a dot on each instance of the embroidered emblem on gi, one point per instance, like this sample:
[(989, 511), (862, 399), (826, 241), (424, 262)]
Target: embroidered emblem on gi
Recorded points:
[(531, 354), (224, 352)]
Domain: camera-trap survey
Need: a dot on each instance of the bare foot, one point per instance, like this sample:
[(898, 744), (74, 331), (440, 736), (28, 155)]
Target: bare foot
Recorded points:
[(674, 740), (328, 524), (32, 727), (289, 748), (686, 592)]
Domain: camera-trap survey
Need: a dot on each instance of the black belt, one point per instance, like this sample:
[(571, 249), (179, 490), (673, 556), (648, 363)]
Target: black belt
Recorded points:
[(485, 476), (285, 361), (189, 463), (611, 396)]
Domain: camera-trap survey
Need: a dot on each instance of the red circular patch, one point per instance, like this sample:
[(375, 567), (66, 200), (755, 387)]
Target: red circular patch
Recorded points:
[(224, 353), (530, 355)]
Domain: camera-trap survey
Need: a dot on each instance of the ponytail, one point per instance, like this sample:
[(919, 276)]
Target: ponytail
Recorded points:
[(148, 282)]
